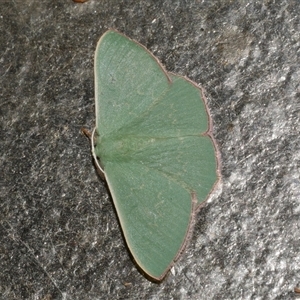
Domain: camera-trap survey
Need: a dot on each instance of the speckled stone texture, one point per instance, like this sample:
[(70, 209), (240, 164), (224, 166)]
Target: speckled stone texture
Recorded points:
[(59, 234)]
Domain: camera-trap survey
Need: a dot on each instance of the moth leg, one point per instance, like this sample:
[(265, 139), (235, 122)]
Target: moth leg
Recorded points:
[(91, 137)]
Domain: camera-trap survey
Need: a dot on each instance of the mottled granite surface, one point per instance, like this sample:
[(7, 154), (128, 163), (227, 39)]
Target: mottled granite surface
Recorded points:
[(59, 234)]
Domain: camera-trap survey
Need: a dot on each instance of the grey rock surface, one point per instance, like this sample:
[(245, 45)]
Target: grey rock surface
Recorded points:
[(59, 233)]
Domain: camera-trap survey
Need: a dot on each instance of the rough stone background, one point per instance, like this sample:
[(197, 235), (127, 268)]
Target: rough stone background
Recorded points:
[(59, 234)]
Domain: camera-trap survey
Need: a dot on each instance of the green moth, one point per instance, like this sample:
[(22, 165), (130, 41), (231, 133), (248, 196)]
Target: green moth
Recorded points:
[(153, 145)]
